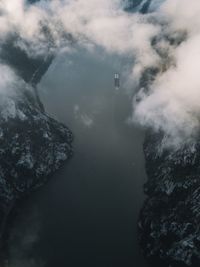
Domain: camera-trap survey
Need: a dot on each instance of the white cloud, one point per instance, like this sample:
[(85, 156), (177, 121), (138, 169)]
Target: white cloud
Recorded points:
[(86, 120), (172, 101), (8, 79), (102, 23)]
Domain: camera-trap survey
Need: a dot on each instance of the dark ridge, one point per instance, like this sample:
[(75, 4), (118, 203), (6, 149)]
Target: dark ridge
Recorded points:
[(145, 7), (30, 70)]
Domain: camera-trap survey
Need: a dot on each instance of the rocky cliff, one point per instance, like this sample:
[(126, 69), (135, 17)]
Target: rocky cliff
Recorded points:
[(169, 221), (32, 144), (169, 232)]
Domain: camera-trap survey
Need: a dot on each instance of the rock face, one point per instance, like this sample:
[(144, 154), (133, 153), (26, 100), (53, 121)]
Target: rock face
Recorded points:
[(32, 147), (32, 144), (169, 222)]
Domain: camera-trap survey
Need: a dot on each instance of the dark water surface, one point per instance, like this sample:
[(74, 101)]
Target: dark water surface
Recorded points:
[(87, 214)]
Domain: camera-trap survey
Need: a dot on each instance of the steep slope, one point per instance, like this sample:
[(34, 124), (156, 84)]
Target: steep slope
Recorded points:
[(32, 147), (32, 144), (169, 221)]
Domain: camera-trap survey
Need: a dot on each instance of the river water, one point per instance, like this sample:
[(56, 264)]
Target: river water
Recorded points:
[(87, 213)]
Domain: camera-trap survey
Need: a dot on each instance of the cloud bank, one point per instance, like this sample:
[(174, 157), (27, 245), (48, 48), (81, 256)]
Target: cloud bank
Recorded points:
[(163, 44), (171, 103)]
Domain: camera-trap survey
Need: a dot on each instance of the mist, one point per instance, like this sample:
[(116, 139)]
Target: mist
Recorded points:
[(167, 40)]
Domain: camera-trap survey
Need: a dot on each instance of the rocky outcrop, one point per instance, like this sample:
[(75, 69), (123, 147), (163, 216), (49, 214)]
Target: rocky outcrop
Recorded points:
[(32, 144), (32, 147), (169, 230)]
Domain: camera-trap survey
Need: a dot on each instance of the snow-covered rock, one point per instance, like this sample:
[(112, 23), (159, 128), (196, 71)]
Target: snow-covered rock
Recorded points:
[(169, 221), (32, 144)]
